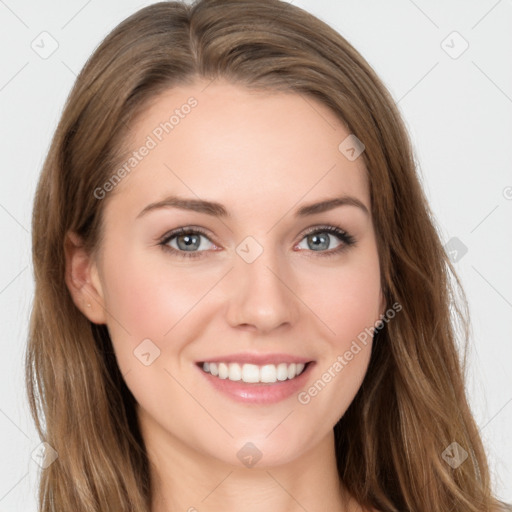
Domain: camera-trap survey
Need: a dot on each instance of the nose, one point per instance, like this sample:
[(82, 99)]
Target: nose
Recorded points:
[(262, 297)]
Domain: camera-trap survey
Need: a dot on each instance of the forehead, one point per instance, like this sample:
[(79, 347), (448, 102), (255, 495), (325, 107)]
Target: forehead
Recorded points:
[(227, 143)]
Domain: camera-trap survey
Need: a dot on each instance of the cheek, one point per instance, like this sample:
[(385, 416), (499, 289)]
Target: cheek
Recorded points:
[(142, 293), (347, 301), (143, 301), (349, 308), (149, 298), (355, 304)]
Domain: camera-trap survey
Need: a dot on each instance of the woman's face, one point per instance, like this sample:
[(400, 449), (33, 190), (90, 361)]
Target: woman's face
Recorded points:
[(248, 285)]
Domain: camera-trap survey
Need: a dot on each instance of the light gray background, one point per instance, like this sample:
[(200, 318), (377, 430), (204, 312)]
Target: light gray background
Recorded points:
[(458, 111)]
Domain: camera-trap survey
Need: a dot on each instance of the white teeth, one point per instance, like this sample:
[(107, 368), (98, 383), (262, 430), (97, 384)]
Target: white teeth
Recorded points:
[(291, 370), (214, 370), (282, 371), (223, 371), (251, 373), (235, 372), (268, 373)]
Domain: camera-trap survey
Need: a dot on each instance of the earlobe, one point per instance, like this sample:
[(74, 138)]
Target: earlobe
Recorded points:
[(82, 279)]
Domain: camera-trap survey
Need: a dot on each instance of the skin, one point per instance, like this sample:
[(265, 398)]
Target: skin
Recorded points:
[(262, 155)]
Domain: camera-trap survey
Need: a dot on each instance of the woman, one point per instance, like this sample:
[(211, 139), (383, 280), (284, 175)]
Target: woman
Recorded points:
[(242, 302)]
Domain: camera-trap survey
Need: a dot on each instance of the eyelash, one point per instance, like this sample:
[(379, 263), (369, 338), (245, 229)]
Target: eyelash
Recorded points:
[(346, 239)]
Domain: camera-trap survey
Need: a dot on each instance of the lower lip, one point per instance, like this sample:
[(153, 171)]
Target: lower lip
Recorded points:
[(260, 392)]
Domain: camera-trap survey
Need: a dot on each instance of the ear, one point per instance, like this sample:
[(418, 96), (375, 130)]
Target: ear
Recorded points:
[(82, 280)]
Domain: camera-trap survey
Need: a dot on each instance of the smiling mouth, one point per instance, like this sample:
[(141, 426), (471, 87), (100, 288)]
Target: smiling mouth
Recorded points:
[(252, 373)]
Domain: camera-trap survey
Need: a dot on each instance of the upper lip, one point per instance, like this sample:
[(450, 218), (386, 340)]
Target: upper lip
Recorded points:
[(257, 359)]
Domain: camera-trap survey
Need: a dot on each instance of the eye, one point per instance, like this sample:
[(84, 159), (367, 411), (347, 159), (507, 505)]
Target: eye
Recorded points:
[(320, 239), (187, 242)]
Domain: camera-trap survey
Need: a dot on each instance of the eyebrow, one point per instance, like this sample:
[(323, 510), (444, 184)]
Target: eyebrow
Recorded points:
[(218, 210)]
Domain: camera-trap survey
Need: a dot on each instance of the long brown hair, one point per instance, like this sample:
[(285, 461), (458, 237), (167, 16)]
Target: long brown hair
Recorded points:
[(411, 406)]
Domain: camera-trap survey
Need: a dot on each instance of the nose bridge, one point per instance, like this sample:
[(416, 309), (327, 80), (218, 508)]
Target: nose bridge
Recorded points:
[(261, 297)]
